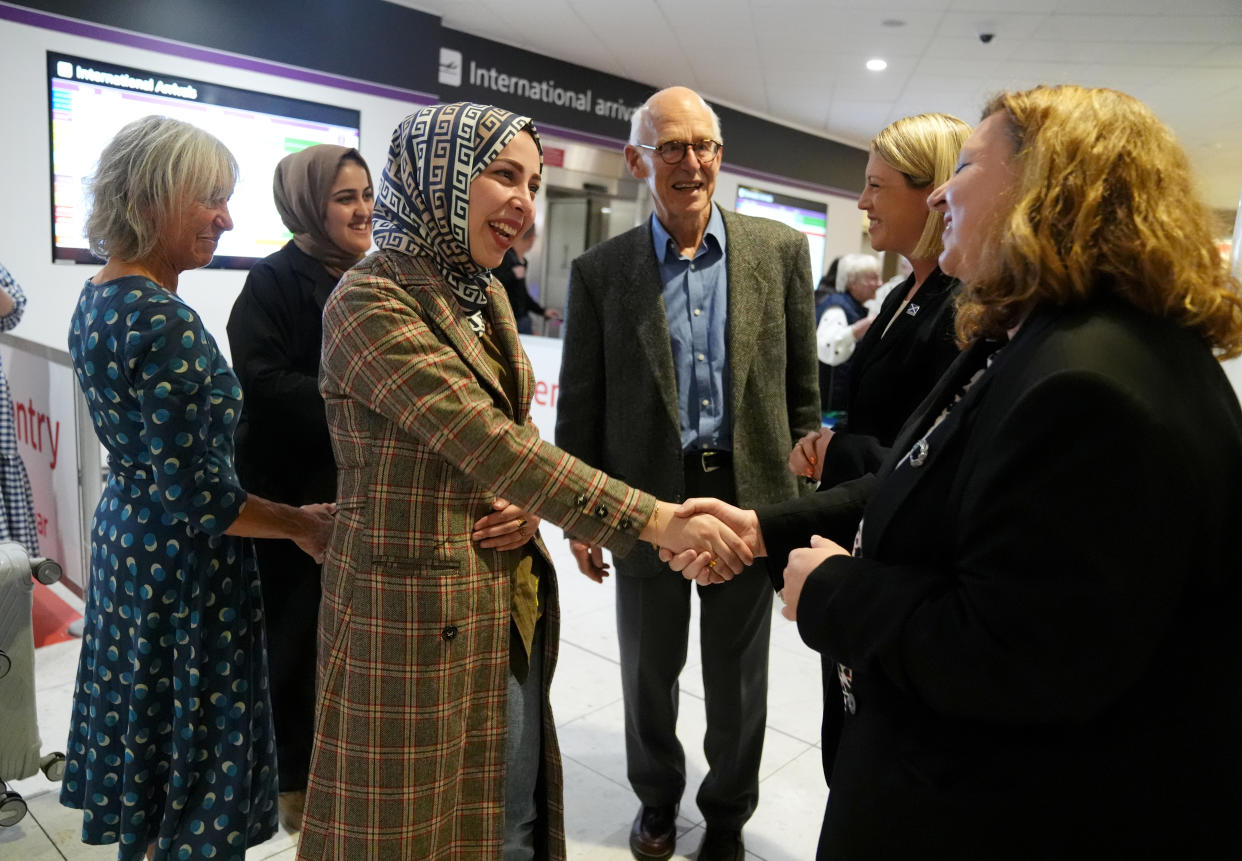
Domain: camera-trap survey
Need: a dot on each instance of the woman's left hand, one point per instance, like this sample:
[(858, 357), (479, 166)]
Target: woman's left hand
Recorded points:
[(506, 528), (801, 563)]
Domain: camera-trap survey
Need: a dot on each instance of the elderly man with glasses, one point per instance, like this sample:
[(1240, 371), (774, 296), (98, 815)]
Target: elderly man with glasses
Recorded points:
[(689, 369)]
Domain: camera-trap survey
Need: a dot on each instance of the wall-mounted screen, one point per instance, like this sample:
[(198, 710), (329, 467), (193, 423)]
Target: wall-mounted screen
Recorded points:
[(89, 101), (807, 216)]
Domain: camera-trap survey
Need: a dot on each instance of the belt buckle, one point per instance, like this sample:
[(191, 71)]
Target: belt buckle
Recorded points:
[(706, 458)]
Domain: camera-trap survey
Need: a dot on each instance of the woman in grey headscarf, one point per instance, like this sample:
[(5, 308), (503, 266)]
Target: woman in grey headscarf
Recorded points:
[(324, 197)]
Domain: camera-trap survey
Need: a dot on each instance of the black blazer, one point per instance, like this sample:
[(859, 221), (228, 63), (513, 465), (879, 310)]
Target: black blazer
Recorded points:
[(1043, 626), (275, 335), (890, 375)]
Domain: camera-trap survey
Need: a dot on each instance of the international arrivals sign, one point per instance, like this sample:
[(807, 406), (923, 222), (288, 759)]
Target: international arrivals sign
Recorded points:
[(551, 91)]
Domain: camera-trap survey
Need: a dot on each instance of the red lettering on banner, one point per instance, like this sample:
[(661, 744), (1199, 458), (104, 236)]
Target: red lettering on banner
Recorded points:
[(545, 395), (28, 425)]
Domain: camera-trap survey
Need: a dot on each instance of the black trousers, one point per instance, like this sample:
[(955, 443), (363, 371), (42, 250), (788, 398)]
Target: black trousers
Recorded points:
[(291, 590), (653, 622)]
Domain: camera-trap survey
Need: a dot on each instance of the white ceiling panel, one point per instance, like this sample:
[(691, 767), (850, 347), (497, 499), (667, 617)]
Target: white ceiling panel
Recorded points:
[(1006, 27), (1180, 28), (999, 6), (1150, 7), (1089, 28)]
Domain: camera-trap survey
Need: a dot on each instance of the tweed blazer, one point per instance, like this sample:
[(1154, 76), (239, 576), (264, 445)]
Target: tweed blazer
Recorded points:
[(409, 752), (618, 389)]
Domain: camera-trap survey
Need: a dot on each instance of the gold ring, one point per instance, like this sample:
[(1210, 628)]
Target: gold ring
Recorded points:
[(711, 564), (521, 524)]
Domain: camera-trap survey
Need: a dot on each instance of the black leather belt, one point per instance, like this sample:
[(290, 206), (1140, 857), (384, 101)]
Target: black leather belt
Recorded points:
[(708, 460)]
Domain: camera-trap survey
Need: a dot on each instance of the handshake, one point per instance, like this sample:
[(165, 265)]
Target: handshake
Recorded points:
[(710, 541), (707, 540)]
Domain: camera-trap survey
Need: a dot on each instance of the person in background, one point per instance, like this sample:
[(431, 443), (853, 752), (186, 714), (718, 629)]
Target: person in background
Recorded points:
[(17, 514), (909, 343), (1037, 629), (511, 273), (847, 316), (689, 369), (439, 628), (170, 750), (324, 196), (826, 289)]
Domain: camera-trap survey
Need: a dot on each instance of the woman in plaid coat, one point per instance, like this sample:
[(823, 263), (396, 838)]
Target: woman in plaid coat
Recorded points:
[(438, 632)]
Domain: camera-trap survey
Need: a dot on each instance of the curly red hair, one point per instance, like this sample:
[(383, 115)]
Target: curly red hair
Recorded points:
[(1104, 202)]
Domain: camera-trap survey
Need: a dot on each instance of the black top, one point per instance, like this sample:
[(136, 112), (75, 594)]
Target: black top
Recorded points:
[(275, 334), (891, 374), (515, 286), (1043, 622)]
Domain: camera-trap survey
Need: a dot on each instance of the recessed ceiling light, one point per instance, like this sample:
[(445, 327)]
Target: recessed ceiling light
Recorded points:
[(877, 65)]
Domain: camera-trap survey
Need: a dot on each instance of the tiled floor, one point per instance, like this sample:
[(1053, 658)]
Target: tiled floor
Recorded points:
[(586, 695)]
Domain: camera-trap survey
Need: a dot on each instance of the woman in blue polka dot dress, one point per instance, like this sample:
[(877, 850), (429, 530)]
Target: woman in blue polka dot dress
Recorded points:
[(170, 746)]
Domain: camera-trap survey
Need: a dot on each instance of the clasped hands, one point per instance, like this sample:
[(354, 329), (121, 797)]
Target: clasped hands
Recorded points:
[(695, 565), (723, 550)]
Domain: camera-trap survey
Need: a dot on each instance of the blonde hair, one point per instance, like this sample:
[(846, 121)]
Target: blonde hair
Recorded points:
[(145, 176), (924, 150), (1104, 203)]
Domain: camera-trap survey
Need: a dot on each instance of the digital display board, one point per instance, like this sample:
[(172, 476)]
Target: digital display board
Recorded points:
[(806, 216), (89, 101)]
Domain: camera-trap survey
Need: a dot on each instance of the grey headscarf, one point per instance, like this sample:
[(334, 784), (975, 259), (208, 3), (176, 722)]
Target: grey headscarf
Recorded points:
[(301, 186)]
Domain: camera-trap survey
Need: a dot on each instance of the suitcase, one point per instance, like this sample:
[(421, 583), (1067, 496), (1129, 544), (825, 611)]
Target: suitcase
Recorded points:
[(20, 748)]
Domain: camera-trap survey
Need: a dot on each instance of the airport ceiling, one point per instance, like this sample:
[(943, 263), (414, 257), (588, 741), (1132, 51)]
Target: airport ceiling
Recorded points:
[(802, 62)]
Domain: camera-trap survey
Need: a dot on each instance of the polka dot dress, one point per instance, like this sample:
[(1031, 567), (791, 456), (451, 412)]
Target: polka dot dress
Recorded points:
[(171, 734)]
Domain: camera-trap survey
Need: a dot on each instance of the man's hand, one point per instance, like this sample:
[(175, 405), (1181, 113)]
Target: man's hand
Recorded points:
[(801, 563), (590, 559)]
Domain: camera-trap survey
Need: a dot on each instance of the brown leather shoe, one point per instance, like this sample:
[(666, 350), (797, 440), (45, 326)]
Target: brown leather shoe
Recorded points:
[(654, 835), (722, 845)]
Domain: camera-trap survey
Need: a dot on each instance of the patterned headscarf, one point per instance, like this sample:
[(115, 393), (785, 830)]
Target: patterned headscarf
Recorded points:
[(422, 206), (301, 186)]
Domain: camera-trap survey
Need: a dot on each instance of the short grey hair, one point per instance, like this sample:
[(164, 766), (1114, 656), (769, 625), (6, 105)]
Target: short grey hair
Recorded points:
[(639, 117), (852, 267), (145, 175)]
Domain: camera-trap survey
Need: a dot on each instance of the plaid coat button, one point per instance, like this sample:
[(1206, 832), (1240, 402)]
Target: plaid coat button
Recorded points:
[(449, 632), (601, 511)]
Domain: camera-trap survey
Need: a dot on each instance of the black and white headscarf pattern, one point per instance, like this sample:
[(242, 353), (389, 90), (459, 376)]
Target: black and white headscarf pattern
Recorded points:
[(423, 203)]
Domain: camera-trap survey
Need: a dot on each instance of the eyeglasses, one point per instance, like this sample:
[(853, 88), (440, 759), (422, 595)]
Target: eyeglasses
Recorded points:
[(674, 151)]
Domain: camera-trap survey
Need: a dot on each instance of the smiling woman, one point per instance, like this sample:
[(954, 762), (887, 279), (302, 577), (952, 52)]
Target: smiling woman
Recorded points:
[(173, 588), (1037, 629), (324, 197), (502, 200), (440, 621)]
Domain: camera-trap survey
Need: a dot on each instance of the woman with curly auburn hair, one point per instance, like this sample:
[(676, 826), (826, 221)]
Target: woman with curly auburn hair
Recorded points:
[(1037, 629), (1104, 202)]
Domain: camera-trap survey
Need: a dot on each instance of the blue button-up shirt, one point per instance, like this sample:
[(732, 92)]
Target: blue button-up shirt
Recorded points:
[(696, 301)]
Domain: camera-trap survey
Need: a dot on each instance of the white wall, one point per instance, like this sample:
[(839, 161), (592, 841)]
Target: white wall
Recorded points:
[(25, 230)]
